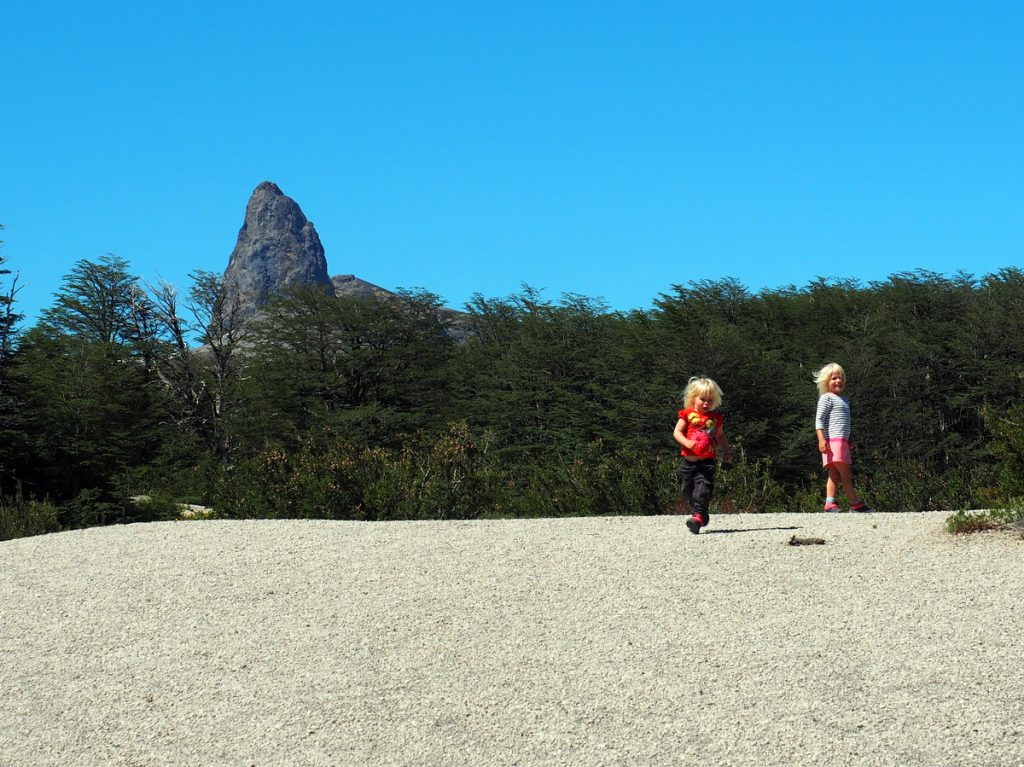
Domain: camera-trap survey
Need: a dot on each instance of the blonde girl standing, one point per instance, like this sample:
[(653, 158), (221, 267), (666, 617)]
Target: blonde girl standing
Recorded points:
[(700, 433), (832, 424)]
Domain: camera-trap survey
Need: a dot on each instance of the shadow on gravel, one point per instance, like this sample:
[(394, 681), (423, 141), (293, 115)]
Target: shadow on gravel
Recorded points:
[(748, 530)]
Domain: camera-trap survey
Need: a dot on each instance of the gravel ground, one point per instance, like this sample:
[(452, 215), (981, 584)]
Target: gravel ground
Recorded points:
[(529, 642)]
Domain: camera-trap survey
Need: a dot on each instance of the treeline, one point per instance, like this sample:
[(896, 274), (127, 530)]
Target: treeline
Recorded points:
[(370, 409)]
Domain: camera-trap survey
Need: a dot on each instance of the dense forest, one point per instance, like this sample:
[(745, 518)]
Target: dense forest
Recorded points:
[(127, 398)]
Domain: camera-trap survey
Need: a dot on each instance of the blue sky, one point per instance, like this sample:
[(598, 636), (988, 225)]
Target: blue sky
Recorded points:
[(610, 150)]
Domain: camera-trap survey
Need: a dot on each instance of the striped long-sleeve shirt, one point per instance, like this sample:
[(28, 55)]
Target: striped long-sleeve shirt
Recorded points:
[(833, 416)]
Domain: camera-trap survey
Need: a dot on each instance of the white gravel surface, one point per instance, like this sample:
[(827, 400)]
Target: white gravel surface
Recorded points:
[(607, 641)]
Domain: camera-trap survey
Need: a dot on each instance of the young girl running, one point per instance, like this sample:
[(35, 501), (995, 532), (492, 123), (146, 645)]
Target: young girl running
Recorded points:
[(832, 423), (699, 431)]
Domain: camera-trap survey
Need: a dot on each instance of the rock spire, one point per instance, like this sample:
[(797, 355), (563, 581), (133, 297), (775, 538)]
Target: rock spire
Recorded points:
[(277, 247)]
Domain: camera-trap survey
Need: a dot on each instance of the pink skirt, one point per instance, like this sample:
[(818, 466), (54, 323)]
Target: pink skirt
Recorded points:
[(838, 452)]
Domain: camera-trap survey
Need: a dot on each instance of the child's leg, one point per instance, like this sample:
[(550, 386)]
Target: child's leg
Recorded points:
[(845, 474), (685, 474), (703, 487), (832, 481)]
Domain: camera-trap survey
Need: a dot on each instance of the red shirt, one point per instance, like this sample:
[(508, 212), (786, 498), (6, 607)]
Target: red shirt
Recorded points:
[(700, 427)]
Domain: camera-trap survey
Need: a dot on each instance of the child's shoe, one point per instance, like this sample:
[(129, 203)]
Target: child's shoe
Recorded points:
[(695, 523), (861, 507), (832, 506)]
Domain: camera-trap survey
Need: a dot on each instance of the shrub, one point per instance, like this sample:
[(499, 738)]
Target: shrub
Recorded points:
[(153, 508), (20, 517), (1007, 428), (973, 522), (93, 507), (905, 485), (89, 509), (750, 487), (311, 482), (594, 481), (449, 477), (993, 519), (453, 479)]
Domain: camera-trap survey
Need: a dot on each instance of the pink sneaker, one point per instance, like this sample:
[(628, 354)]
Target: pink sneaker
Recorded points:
[(832, 506)]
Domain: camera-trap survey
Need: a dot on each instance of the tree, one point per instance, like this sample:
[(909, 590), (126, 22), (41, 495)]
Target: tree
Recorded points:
[(85, 383), (371, 368), (99, 302), (913, 364), (8, 317), (12, 433), (549, 377), (199, 383), (718, 329)]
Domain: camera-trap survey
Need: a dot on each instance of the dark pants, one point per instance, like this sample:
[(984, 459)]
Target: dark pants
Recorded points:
[(697, 483)]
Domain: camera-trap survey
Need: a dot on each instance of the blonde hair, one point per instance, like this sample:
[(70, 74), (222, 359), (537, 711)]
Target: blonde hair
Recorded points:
[(702, 387), (822, 376)]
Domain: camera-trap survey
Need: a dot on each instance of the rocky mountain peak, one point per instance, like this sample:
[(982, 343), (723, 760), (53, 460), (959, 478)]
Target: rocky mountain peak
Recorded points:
[(277, 246)]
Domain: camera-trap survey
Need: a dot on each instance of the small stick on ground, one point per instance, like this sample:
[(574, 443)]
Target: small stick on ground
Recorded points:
[(795, 541)]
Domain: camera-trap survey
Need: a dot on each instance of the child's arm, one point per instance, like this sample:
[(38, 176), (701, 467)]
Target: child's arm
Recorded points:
[(679, 435), (820, 419), (723, 446)]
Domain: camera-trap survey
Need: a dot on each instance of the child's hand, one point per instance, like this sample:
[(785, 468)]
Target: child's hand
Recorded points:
[(822, 447)]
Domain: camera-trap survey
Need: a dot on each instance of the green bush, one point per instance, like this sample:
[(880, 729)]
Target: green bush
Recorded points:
[(905, 485), (453, 479), (1007, 429), (163, 481), (308, 483), (452, 476), (327, 478), (153, 508), (974, 521), (94, 507), (90, 508), (593, 482), (750, 486), (1011, 517), (20, 518)]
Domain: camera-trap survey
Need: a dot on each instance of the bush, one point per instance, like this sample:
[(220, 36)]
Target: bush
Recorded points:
[(906, 485), (185, 483), (326, 478), (751, 487), (312, 482), (89, 509), (453, 477), (20, 518), (154, 508), (1007, 429), (94, 508), (594, 482), (993, 519)]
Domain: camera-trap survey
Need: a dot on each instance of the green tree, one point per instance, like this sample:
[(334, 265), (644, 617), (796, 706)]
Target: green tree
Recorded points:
[(371, 368), (101, 302), (913, 366), (9, 318), (548, 378), (718, 329), (12, 432), (85, 384)]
